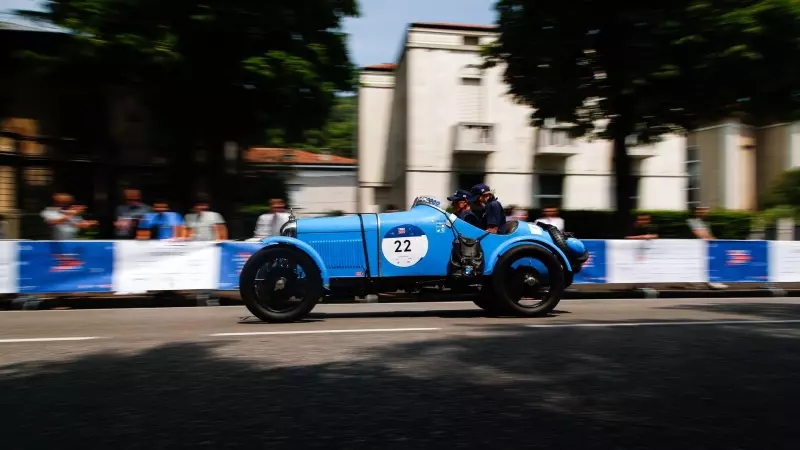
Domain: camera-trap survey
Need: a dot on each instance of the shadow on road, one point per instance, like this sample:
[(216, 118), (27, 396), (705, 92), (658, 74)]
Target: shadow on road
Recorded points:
[(438, 313), (631, 388), (755, 310)]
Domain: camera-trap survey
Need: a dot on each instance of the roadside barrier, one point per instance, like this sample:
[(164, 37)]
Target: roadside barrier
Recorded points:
[(133, 267)]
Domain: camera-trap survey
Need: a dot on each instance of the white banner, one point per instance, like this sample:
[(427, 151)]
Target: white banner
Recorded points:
[(656, 261), (9, 267), (141, 266), (784, 261)]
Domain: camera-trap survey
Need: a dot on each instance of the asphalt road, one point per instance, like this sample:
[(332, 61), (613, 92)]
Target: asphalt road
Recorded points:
[(620, 374)]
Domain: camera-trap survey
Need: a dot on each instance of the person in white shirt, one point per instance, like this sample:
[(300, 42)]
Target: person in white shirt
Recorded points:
[(701, 229), (551, 217), (205, 225), (270, 224)]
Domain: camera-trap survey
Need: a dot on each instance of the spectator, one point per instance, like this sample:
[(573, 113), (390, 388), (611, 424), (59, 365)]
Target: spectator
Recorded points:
[(509, 212), (205, 225), (161, 223), (64, 218), (270, 224), (699, 227), (130, 214), (551, 217), (701, 230), (519, 214), (642, 228)]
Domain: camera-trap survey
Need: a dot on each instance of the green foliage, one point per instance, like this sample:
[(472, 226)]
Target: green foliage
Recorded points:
[(649, 68), (668, 224), (337, 136), (214, 69), (785, 191), (769, 217)]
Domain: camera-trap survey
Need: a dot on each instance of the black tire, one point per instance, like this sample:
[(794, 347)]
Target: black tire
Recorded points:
[(559, 239), (504, 291), (487, 300), (313, 288)]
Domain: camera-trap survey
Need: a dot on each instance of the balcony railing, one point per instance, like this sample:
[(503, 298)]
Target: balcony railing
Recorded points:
[(474, 137)]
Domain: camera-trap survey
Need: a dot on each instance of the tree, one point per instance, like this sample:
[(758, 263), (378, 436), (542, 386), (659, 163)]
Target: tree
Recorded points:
[(339, 133), (617, 69), (213, 70), (785, 191)]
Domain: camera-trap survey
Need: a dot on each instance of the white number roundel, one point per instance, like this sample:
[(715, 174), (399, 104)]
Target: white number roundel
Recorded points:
[(405, 245)]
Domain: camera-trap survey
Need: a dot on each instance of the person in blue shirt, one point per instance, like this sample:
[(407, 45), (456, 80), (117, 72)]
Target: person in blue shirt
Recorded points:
[(161, 223), (460, 203), (493, 215)]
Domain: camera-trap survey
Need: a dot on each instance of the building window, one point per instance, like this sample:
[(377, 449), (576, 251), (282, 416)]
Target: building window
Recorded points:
[(549, 137), (7, 189), (693, 175), (550, 190), (471, 40), (470, 99), (467, 180), (636, 181), (552, 135)]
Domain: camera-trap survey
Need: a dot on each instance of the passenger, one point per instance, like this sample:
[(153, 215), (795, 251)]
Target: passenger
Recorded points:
[(493, 217), (460, 202)]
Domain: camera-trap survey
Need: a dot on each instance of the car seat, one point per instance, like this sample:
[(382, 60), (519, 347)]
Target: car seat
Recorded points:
[(509, 227)]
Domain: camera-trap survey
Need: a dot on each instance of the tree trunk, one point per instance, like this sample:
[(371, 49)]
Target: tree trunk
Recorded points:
[(623, 181)]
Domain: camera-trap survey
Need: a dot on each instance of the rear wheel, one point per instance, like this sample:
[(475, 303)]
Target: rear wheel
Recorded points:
[(523, 290), (280, 284)]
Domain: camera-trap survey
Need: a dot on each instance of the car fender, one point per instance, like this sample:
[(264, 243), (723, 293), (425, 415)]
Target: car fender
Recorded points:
[(285, 240), (522, 240)]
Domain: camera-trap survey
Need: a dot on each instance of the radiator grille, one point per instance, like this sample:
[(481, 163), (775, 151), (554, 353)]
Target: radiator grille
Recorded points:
[(341, 254)]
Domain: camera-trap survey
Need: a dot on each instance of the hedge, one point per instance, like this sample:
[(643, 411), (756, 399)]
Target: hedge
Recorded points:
[(668, 224)]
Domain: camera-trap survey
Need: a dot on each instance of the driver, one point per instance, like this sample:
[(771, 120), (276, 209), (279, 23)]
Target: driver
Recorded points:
[(460, 202), (493, 216)]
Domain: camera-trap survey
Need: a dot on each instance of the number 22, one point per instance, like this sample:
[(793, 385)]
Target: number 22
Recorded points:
[(400, 243)]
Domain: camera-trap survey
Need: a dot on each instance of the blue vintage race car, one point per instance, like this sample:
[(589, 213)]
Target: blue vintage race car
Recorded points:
[(522, 270)]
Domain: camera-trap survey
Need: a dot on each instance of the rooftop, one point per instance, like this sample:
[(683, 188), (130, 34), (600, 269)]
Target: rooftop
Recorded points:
[(454, 26), (385, 67), (265, 155)]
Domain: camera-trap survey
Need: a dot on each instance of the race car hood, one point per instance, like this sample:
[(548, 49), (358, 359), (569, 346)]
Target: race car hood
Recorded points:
[(339, 224)]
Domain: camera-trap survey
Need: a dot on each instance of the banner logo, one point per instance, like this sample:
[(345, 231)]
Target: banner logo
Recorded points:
[(738, 257), (66, 262)]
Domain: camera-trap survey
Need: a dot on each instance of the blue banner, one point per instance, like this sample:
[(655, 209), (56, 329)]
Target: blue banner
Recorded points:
[(87, 266), (234, 255), (65, 266), (594, 270), (738, 261)]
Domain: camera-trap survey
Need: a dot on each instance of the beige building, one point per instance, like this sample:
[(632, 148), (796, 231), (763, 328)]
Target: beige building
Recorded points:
[(436, 121)]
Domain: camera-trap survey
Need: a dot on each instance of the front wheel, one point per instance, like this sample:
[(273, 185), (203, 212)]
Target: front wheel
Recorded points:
[(486, 299), (280, 284), (528, 281)]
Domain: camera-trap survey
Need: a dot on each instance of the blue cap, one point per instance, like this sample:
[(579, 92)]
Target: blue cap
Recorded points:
[(478, 190), (460, 194)]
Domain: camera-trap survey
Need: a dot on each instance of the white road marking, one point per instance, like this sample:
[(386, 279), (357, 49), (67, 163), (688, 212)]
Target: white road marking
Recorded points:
[(365, 330), (652, 324), (56, 339)]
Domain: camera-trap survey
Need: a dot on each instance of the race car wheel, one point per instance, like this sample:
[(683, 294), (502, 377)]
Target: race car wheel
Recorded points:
[(487, 300), (559, 239), (522, 291), (280, 284)]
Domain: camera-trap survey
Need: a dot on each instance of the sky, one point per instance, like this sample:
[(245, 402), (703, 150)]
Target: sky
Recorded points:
[(377, 35)]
